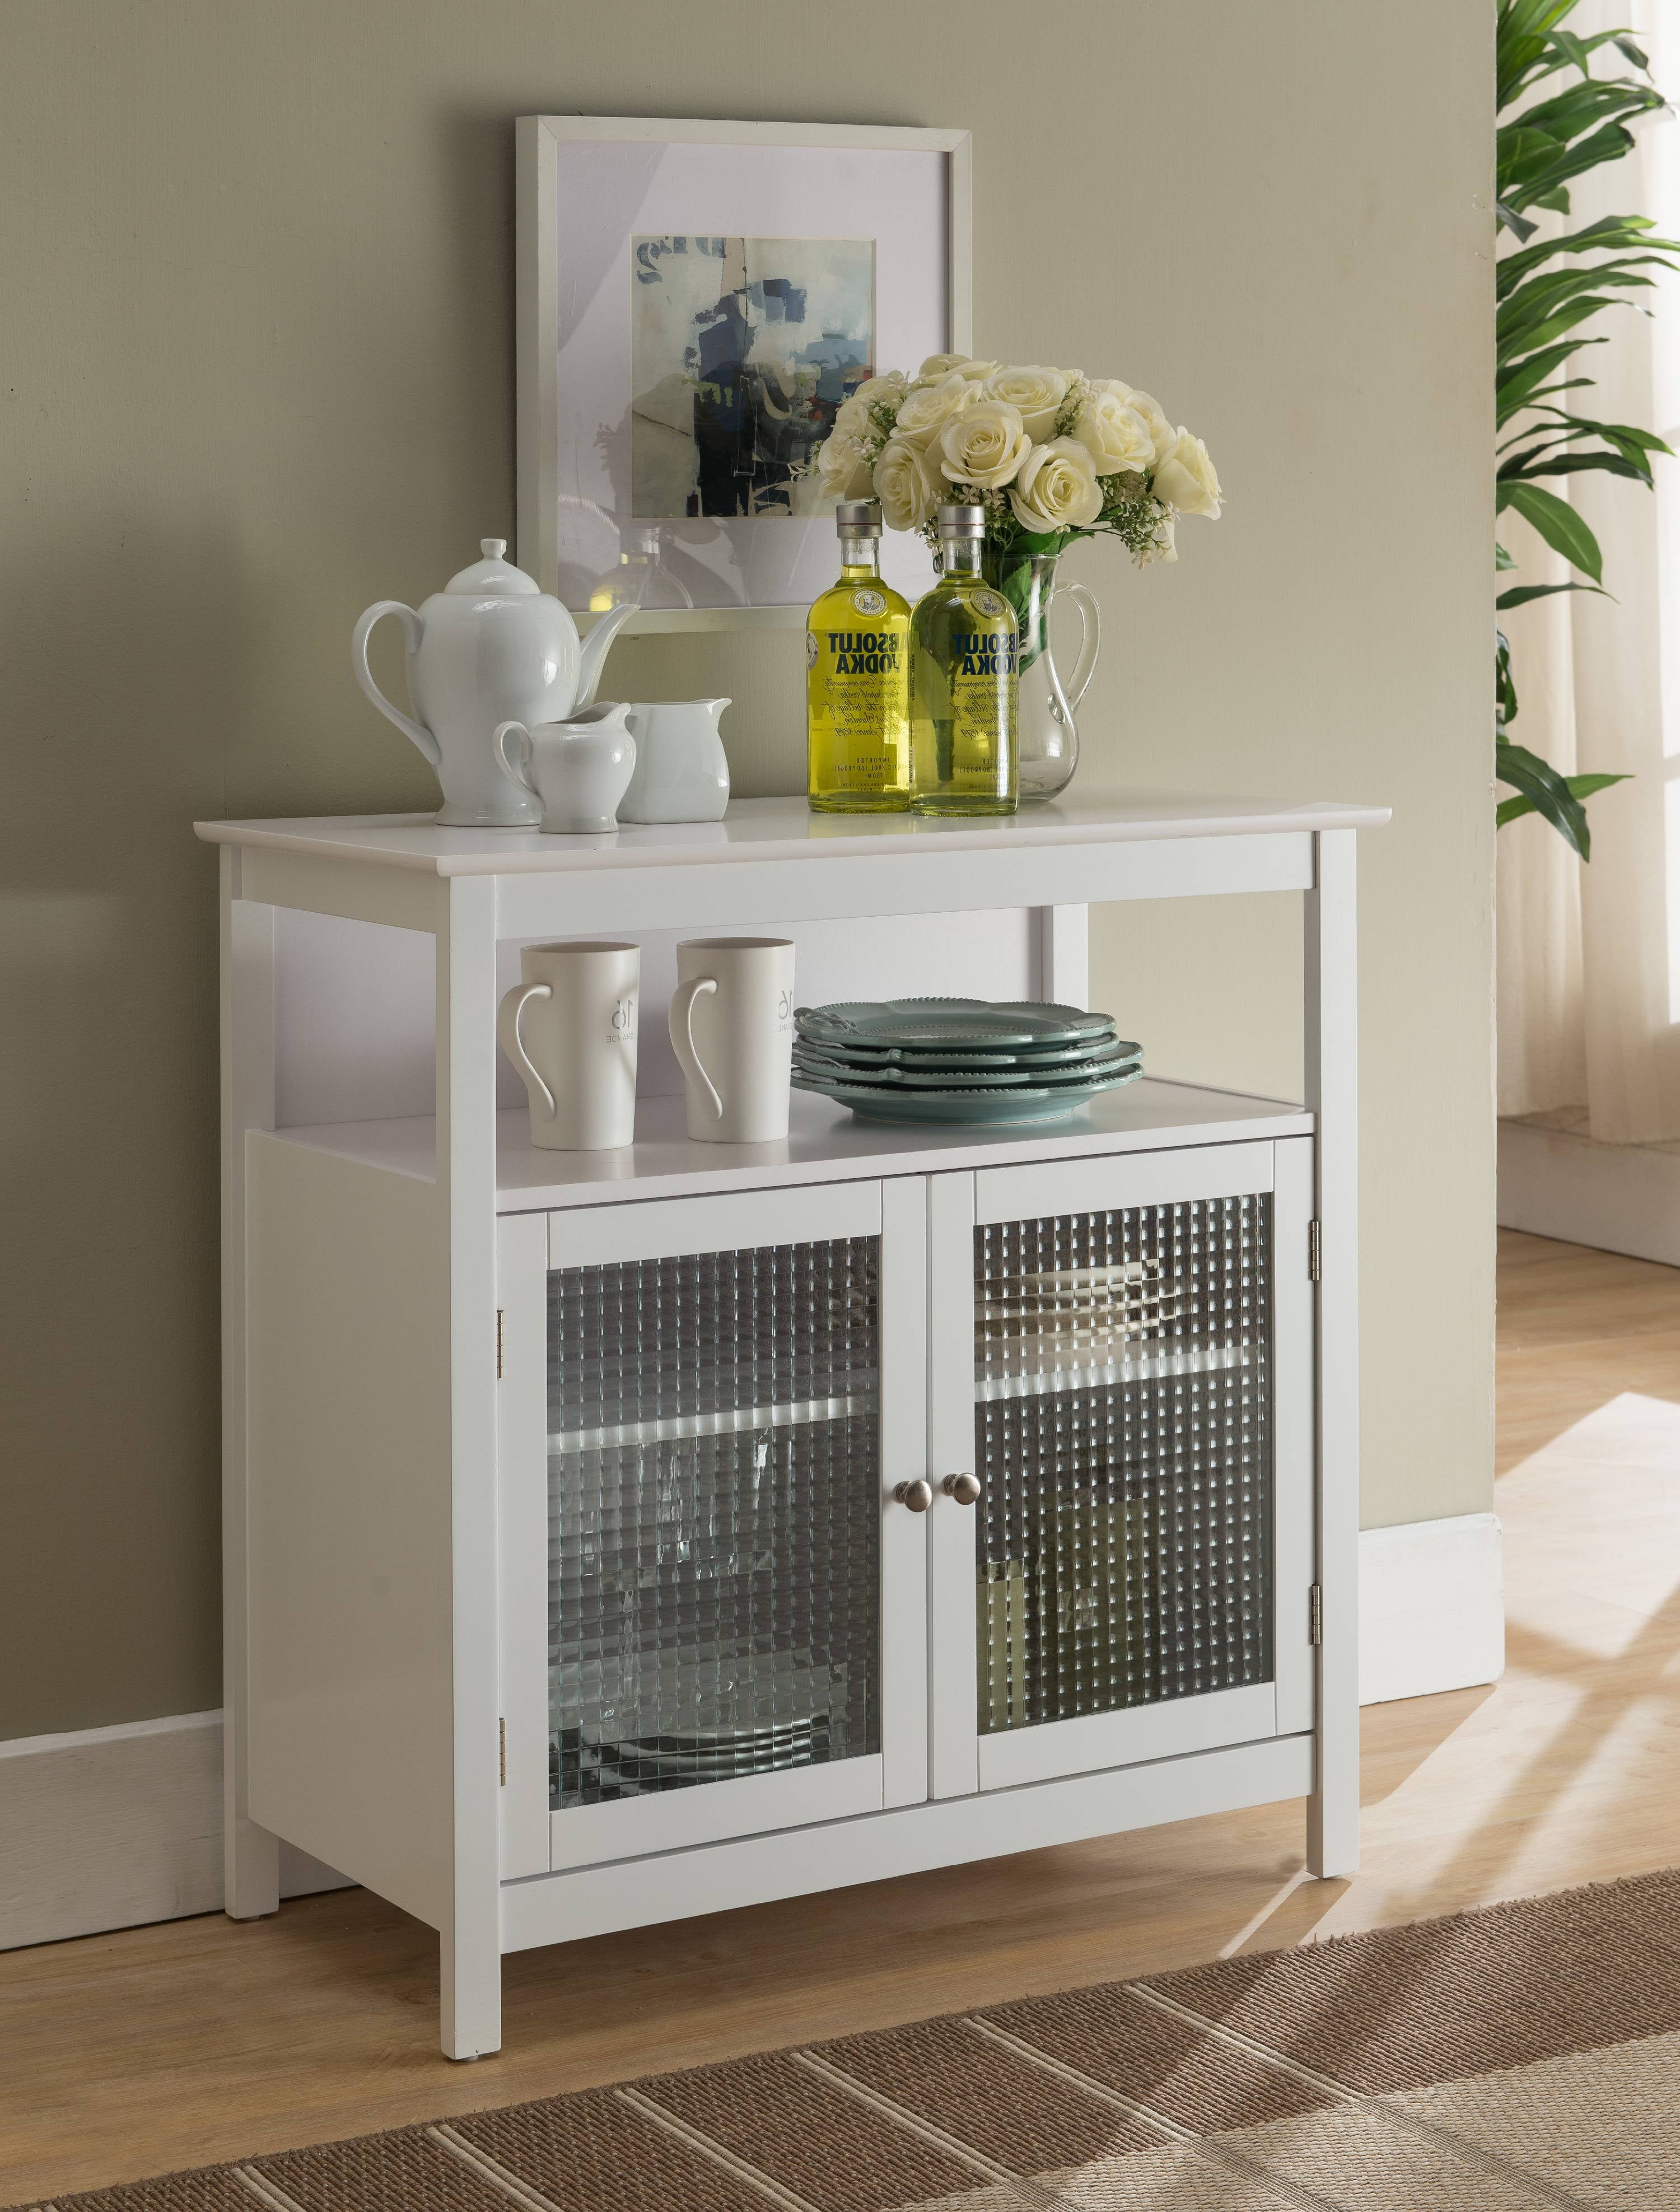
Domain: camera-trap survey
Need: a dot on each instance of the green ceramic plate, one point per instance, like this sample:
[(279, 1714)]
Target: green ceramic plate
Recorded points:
[(988, 1106), (963, 1076), (950, 1022), (967, 1056)]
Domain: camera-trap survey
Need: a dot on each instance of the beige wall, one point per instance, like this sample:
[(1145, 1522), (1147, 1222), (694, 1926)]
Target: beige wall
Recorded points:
[(257, 372)]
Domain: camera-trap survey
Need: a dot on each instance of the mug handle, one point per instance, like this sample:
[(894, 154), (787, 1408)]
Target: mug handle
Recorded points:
[(514, 770), (680, 1021), (1090, 639), (508, 1030)]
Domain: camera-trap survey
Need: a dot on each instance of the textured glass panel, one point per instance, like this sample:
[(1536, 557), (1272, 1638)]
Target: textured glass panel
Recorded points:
[(1123, 1433), (714, 1517)]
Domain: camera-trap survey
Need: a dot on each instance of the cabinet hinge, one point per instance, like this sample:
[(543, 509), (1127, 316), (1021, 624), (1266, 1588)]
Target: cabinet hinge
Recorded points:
[(498, 1344), (501, 1742), (1315, 1253), (1315, 1614)]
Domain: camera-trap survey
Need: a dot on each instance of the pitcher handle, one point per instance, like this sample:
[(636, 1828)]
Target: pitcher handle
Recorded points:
[(680, 1021), (514, 770), (512, 1043), (365, 676), (1090, 639)]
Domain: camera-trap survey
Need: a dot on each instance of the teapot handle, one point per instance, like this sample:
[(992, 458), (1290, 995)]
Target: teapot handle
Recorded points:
[(364, 675), (514, 770), (1089, 640)]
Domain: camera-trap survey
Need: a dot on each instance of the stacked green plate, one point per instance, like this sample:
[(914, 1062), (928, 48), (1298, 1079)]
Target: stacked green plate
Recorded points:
[(959, 1059)]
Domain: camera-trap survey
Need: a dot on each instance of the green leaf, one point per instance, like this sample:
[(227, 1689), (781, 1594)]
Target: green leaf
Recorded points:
[(1579, 787), (1564, 465), (1520, 595), (1510, 220), (1501, 558), (1632, 444), (1546, 792), (1537, 183), (1628, 231), (1519, 386), (1555, 325), (1557, 522)]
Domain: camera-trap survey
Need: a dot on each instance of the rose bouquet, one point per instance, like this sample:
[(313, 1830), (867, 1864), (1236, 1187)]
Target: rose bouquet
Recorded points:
[(1052, 456)]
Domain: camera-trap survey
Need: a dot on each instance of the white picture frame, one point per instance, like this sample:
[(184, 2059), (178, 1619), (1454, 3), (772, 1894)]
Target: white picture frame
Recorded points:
[(574, 331)]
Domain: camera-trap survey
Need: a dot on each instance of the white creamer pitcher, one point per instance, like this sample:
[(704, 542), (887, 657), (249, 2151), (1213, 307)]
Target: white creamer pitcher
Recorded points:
[(682, 771), (489, 647)]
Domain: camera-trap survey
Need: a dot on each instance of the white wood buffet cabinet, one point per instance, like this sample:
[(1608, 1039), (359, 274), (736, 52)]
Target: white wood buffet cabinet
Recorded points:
[(590, 1555)]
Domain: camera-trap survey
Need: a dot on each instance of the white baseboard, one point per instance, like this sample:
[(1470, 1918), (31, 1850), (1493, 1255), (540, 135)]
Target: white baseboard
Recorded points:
[(1619, 1198), (1431, 1607), (115, 1827)]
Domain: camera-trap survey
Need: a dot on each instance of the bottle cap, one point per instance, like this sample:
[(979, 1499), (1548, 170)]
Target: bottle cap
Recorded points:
[(858, 518), (962, 522)]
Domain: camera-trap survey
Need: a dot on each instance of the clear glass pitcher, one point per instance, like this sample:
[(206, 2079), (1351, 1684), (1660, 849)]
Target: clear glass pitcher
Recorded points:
[(1047, 701)]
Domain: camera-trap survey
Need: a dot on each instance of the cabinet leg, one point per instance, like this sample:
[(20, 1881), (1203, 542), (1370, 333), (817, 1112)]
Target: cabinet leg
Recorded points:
[(251, 1864), (1332, 1810), (470, 1998)]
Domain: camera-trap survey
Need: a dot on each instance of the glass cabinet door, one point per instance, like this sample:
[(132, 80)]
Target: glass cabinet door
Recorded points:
[(1122, 1400), (715, 1510)]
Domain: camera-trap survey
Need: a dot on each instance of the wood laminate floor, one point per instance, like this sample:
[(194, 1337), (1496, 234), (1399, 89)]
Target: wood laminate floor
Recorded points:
[(155, 2048)]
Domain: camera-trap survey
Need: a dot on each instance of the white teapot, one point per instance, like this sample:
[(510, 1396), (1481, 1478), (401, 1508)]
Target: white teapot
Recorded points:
[(489, 647)]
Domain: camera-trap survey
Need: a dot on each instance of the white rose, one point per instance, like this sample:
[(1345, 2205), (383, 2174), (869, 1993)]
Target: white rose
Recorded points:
[(905, 486), (842, 469), (985, 445), (890, 386), (1186, 479), (1057, 488), (1039, 393), (926, 411), (1160, 430), (1115, 434), (851, 419)]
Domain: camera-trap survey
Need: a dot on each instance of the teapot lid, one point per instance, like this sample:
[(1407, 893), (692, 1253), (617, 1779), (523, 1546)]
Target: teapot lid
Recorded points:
[(493, 578)]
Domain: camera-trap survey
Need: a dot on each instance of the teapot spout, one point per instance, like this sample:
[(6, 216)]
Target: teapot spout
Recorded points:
[(593, 658)]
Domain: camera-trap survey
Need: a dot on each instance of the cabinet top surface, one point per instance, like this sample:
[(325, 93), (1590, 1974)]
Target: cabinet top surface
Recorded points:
[(783, 830)]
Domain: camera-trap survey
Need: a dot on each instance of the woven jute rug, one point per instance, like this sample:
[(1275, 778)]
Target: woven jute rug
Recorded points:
[(1523, 2057)]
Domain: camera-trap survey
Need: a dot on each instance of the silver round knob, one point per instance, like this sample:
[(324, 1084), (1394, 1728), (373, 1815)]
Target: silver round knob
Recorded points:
[(965, 1488), (918, 1495)]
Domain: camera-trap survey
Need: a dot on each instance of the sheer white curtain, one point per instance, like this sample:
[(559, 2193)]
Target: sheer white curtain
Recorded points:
[(1589, 957)]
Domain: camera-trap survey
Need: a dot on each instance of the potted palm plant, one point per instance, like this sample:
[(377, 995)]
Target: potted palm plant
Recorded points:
[(1549, 289)]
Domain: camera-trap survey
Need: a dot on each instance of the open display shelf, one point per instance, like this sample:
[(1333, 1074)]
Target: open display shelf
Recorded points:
[(613, 1537)]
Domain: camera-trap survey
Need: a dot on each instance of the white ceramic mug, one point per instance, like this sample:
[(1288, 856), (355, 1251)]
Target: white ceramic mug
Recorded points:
[(580, 769), (732, 1030), (569, 1028)]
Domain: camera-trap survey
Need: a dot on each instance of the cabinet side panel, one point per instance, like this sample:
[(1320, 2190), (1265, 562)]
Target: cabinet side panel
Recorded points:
[(349, 1579)]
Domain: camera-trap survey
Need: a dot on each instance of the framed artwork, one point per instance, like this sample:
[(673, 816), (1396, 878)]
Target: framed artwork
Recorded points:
[(695, 300)]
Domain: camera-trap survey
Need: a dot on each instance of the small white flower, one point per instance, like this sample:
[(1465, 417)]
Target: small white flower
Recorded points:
[(1057, 488)]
